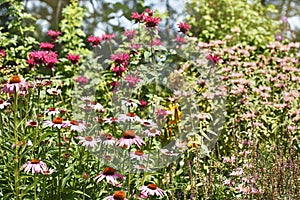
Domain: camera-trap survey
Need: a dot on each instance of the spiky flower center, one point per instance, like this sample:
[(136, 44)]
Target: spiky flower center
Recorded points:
[(33, 123), (1, 101), (119, 195), (152, 131), (89, 138), (35, 161), (139, 153), (129, 134), (130, 114), (74, 122), (108, 171), (52, 109), (151, 186), (57, 120), (15, 79)]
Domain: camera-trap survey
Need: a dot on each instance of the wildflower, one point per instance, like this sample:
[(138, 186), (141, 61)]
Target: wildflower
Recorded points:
[(213, 58), (35, 166), (120, 58), (88, 141), (137, 17), (131, 117), (119, 70), (237, 172), (183, 27), (110, 175), (143, 103), (138, 155), (151, 22), (2, 53), (81, 80), (148, 123), (118, 195), (47, 171), (180, 40), (279, 37), (75, 126), (16, 83), (107, 139), (32, 123), (97, 107), (53, 34), (129, 138), (51, 111), (47, 58), (110, 120), (3, 104), (54, 91), (167, 152), (74, 58), (132, 80), (129, 103), (46, 45), (94, 40), (108, 37), (57, 122), (284, 19), (129, 34), (151, 132), (22, 143), (151, 190)]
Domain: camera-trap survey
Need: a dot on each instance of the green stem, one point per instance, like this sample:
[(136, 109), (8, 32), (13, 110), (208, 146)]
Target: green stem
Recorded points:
[(44, 188), (59, 165), (17, 168), (35, 198)]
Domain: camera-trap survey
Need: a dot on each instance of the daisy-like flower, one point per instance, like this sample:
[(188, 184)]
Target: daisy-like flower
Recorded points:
[(88, 141), (110, 175), (76, 126), (51, 111), (15, 83), (110, 120), (148, 123), (167, 152), (138, 155), (57, 122), (3, 104), (118, 195), (129, 138), (129, 103), (151, 190), (151, 132), (35, 166), (97, 107), (47, 171), (54, 91), (32, 123), (107, 139), (129, 117)]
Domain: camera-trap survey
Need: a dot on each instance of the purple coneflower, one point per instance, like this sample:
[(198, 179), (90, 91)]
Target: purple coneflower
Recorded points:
[(76, 126), (129, 138), (57, 122), (35, 166), (138, 155), (118, 195), (151, 190), (107, 139), (54, 91), (88, 141), (110, 175), (32, 123), (129, 117), (51, 111), (3, 104), (16, 83), (151, 132)]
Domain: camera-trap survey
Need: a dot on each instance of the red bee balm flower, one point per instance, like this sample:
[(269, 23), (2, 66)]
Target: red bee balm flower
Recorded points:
[(53, 34), (73, 58), (183, 27), (46, 45), (151, 21), (94, 40)]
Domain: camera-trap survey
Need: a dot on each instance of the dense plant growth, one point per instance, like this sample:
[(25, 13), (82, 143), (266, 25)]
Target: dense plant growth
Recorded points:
[(206, 119)]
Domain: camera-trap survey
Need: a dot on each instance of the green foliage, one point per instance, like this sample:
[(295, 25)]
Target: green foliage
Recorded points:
[(16, 37), (246, 22)]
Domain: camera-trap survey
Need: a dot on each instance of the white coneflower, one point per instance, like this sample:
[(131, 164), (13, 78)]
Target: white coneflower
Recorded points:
[(88, 141), (129, 138)]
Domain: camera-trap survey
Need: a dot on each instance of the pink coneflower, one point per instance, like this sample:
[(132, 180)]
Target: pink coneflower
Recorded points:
[(52, 111), (35, 166), (94, 40), (151, 132), (167, 152), (97, 107), (76, 126), (3, 104), (107, 139), (118, 195), (46, 45), (184, 27), (54, 91), (74, 58), (129, 117), (129, 138), (16, 83), (110, 120), (129, 103), (53, 34), (32, 123), (110, 175), (57, 122), (148, 123), (47, 171), (138, 155), (151, 22), (151, 190), (88, 141)]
